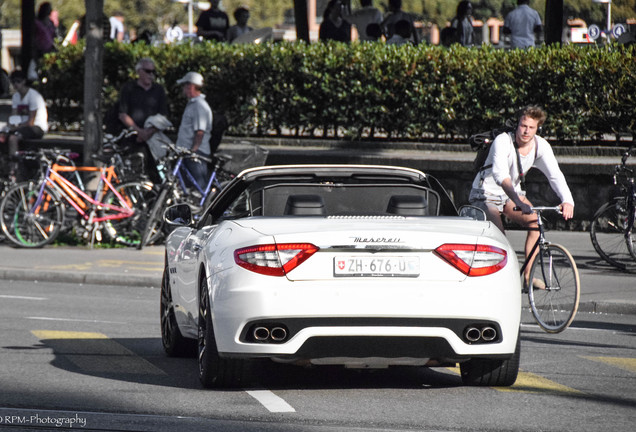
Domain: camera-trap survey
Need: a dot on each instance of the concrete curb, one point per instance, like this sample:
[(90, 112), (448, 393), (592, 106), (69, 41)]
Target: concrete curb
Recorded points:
[(609, 307), (80, 278)]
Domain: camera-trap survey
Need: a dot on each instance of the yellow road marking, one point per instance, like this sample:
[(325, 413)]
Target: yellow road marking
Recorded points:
[(53, 334), (85, 266), (159, 251), (95, 353), (122, 263), (628, 364), (531, 383)]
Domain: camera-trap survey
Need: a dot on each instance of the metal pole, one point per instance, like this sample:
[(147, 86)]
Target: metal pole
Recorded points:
[(190, 13)]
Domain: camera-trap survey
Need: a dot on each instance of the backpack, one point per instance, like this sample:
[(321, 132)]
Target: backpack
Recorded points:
[(482, 142)]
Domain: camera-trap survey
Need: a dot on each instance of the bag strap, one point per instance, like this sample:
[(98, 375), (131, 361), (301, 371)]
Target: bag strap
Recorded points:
[(522, 177)]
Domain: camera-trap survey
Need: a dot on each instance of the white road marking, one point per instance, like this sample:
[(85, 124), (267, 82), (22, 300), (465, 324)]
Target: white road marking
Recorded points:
[(74, 320), (22, 297), (270, 401)]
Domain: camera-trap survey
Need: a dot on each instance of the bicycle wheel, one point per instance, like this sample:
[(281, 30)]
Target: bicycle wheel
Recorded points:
[(154, 224), (27, 225), (140, 196), (630, 235), (555, 304), (609, 234)]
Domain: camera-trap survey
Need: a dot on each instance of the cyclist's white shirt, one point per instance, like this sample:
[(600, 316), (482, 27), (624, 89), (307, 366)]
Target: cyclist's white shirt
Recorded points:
[(503, 158)]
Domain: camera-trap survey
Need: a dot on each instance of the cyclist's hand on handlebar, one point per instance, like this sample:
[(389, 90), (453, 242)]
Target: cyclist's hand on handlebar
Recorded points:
[(567, 210), (524, 208)]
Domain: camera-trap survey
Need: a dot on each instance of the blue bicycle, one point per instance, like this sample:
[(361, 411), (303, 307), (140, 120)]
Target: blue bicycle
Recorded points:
[(179, 186)]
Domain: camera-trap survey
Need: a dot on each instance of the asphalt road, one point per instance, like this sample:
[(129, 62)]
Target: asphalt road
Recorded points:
[(91, 355)]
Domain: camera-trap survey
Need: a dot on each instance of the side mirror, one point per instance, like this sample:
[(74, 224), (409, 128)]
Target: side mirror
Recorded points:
[(178, 215), (472, 212)]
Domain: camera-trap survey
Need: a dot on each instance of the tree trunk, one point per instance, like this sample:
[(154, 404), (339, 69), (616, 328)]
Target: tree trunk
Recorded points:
[(553, 21), (28, 29), (302, 24), (93, 78)]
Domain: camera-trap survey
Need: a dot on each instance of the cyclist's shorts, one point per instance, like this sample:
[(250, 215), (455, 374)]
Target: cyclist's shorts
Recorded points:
[(483, 200)]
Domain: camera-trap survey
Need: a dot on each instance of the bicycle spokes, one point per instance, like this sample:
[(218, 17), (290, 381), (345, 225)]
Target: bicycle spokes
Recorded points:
[(555, 300)]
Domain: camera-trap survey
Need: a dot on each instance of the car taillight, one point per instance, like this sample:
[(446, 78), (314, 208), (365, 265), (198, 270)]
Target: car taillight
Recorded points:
[(274, 259), (473, 260)]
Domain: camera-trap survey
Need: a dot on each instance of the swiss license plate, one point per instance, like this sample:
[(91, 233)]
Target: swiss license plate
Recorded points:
[(376, 266)]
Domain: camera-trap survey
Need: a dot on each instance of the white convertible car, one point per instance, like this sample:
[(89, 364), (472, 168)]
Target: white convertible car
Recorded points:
[(360, 266)]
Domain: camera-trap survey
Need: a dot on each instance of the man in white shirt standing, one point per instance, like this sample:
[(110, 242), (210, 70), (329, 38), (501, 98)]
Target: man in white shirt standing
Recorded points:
[(522, 24), (497, 187), (361, 18), (196, 125)]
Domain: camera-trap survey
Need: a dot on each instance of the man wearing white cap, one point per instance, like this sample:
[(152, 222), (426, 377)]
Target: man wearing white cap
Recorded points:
[(196, 125)]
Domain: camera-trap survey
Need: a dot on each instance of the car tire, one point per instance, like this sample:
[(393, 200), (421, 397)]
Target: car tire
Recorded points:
[(491, 372), (174, 344), (214, 371)]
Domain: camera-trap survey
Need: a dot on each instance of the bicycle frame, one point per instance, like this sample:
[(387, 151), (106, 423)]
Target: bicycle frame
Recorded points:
[(78, 199), (541, 242), (178, 171)]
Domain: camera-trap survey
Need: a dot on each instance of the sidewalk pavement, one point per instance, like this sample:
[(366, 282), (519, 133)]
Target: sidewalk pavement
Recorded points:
[(82, 265), (603, 288)]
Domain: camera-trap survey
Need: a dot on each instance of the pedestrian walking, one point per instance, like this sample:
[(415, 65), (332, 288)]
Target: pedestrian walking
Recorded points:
[(523, 25)]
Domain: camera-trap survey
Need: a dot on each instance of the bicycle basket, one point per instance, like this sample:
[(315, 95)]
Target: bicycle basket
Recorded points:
[(244, 156)]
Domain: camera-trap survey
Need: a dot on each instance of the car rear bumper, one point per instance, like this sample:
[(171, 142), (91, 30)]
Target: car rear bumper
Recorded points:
[(367, 319)]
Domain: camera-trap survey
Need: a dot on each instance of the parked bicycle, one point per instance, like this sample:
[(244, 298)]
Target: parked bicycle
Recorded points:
[(115, 151), (612, 230), (33, 213), (553, 285), (176, 188)]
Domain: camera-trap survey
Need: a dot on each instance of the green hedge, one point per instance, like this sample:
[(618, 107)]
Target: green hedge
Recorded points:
[(372, 90)]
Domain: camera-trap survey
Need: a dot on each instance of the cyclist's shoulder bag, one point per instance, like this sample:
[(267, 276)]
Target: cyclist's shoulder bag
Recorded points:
[(482, 142)]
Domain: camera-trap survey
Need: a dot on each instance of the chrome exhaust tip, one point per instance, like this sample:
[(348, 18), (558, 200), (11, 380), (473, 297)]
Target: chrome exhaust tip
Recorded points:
[(472, 334), (261, 333), (278, 334), (488, 334)]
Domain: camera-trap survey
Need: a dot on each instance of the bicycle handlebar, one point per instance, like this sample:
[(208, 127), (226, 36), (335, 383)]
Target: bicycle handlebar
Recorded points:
[(125, 133), (623, 169), (542, 208), (184, 152)]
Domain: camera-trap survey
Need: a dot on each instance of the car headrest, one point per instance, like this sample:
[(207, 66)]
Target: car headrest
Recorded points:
[(408, 205), (305, 205)]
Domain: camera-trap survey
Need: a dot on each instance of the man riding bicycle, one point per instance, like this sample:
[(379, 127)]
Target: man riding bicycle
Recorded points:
[(498, 186)]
